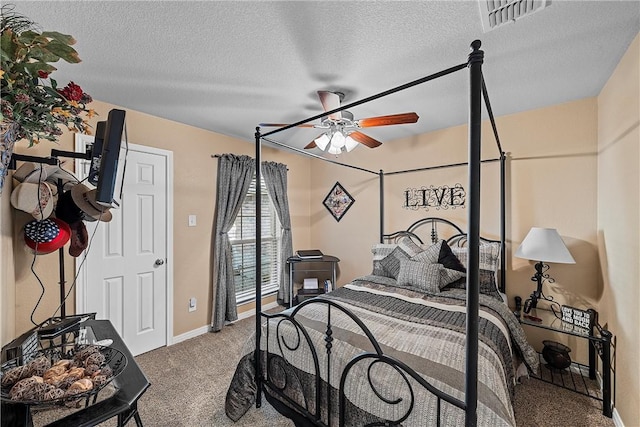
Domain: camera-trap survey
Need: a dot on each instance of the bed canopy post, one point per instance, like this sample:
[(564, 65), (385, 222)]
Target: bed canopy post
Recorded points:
[(381, 202), (503, 221), (258, 226), (473, 299)]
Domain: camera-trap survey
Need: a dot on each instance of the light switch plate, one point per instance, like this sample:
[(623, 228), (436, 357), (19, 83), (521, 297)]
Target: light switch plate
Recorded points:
[(192, 304), (192, 220)]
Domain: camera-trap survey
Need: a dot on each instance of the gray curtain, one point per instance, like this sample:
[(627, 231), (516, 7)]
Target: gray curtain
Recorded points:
[(235, 174), (275, 178)]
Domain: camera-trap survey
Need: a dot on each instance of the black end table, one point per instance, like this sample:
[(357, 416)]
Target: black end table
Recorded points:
[(130, 386)]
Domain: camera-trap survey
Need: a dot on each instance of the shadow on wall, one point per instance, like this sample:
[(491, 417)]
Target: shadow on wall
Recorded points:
[(579, 285)]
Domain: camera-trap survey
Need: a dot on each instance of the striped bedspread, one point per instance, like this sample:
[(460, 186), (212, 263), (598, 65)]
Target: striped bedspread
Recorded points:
[(424, 331)]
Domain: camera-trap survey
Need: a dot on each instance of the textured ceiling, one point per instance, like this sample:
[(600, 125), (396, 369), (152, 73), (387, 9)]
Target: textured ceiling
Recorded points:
[(226, 66)]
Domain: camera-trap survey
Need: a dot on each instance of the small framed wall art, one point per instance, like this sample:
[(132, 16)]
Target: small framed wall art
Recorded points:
[(338, 201)]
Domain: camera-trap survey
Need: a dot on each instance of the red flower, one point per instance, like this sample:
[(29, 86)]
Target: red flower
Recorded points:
[(72, 92), (43, 74)]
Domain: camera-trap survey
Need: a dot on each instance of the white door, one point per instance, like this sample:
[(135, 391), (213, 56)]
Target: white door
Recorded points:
[(126, 265)]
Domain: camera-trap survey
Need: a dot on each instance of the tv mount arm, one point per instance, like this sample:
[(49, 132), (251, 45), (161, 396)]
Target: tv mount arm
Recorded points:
[(53, 160)]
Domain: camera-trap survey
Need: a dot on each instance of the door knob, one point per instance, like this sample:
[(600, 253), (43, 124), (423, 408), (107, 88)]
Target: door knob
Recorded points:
[(159, 261)]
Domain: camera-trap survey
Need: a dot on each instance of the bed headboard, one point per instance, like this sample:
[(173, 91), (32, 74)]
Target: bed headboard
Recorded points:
[(431, 229)]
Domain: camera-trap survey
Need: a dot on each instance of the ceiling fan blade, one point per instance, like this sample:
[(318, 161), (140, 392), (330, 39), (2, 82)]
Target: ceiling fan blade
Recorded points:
[(279, 125), (312, 144), (330, 101), (365, 139), (393, 119)]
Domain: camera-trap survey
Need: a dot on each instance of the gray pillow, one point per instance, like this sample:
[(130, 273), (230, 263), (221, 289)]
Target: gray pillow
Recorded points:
[(420, 274), (380, 251), (432, 255), (391, 263)]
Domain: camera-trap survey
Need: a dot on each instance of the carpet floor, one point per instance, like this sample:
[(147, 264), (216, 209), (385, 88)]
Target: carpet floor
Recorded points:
[(189, 382)]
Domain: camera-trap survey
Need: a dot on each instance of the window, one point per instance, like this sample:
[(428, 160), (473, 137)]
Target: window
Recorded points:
[(243, 243)]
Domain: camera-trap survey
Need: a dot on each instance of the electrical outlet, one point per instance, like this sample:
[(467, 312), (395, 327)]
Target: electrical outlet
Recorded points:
[(192, 304)]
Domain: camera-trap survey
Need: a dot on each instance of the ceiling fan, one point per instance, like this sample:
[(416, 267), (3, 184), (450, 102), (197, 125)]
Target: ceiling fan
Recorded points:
[(342, 131)]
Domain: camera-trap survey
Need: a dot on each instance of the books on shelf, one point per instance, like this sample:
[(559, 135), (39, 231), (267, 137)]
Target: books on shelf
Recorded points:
[(309, 254)]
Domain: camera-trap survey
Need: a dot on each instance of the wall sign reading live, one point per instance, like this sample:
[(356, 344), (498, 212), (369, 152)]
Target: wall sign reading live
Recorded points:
[(577, 317), (443, 197)]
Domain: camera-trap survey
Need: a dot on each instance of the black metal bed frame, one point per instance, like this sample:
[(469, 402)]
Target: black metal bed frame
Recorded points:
[(477, 92)]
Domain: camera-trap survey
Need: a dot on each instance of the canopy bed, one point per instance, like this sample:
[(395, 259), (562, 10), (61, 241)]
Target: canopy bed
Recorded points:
[(357, 367)]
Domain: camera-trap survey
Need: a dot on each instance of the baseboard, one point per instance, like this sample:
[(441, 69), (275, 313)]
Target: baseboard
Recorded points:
[(616, 418), (191, 334), (204, 329)]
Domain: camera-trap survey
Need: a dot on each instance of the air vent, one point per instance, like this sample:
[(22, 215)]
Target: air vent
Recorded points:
[(496, 13)]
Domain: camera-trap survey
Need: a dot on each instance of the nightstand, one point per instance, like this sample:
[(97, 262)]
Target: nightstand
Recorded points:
[(325, 264), (600, 343)]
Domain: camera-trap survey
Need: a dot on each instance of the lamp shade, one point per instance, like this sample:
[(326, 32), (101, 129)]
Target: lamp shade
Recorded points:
[(338, 140), (546, 245), (350, 143), (322, 141)]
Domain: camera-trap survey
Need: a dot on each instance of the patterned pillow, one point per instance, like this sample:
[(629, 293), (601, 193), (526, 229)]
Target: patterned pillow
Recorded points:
[(489, 263), (488, 285), (449, 275), (379, 251), (382, 250), (420, 274), (391, 263), (440, 253), (489, 255)]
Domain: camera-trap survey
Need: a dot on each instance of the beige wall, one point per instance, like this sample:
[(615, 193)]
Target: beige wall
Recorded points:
[(618, 225), (194, 193), (551, 183)]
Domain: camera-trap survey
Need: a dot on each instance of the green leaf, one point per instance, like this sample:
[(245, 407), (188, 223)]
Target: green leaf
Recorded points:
[(8, 45), (33, 67), (62, 38), (63, 51), (28, 37)]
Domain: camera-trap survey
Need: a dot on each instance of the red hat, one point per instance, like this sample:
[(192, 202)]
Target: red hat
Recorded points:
[(46, 236)]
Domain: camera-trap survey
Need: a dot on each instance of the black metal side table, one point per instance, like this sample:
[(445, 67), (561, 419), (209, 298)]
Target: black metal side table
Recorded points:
[(600, 344), (130, 386), (326, 263)]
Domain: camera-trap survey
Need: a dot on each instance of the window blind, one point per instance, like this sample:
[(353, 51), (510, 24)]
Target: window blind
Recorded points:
[(243, 243)]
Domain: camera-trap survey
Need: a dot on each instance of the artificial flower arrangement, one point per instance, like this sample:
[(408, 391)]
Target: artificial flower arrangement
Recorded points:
[(31, 99)]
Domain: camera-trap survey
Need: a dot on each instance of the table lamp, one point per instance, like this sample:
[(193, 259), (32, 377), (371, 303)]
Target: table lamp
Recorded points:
[(542, 245)]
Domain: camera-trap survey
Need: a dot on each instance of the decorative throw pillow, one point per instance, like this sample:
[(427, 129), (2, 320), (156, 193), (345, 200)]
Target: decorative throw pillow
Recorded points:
[(391, 263), (379, 251), (409, 246), (430, 255), (489, 255), (440, 253), (447, 258), (449, 275), (420, 274), (488, 285)]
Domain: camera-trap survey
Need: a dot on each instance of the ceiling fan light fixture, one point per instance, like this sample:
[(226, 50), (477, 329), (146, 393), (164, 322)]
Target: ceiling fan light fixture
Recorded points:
[(350, 143), (322, 141), (338, 140), (334, 150)]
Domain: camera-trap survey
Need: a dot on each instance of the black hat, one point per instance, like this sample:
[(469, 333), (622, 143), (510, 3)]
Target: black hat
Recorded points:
[(67, 210)]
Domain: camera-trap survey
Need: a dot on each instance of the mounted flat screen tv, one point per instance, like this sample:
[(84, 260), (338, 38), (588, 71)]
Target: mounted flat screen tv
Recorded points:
[(96, 153), (111, 170)]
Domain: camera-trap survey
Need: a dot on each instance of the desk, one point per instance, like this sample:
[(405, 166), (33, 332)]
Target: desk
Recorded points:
[(131, 385), (326, 263)]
